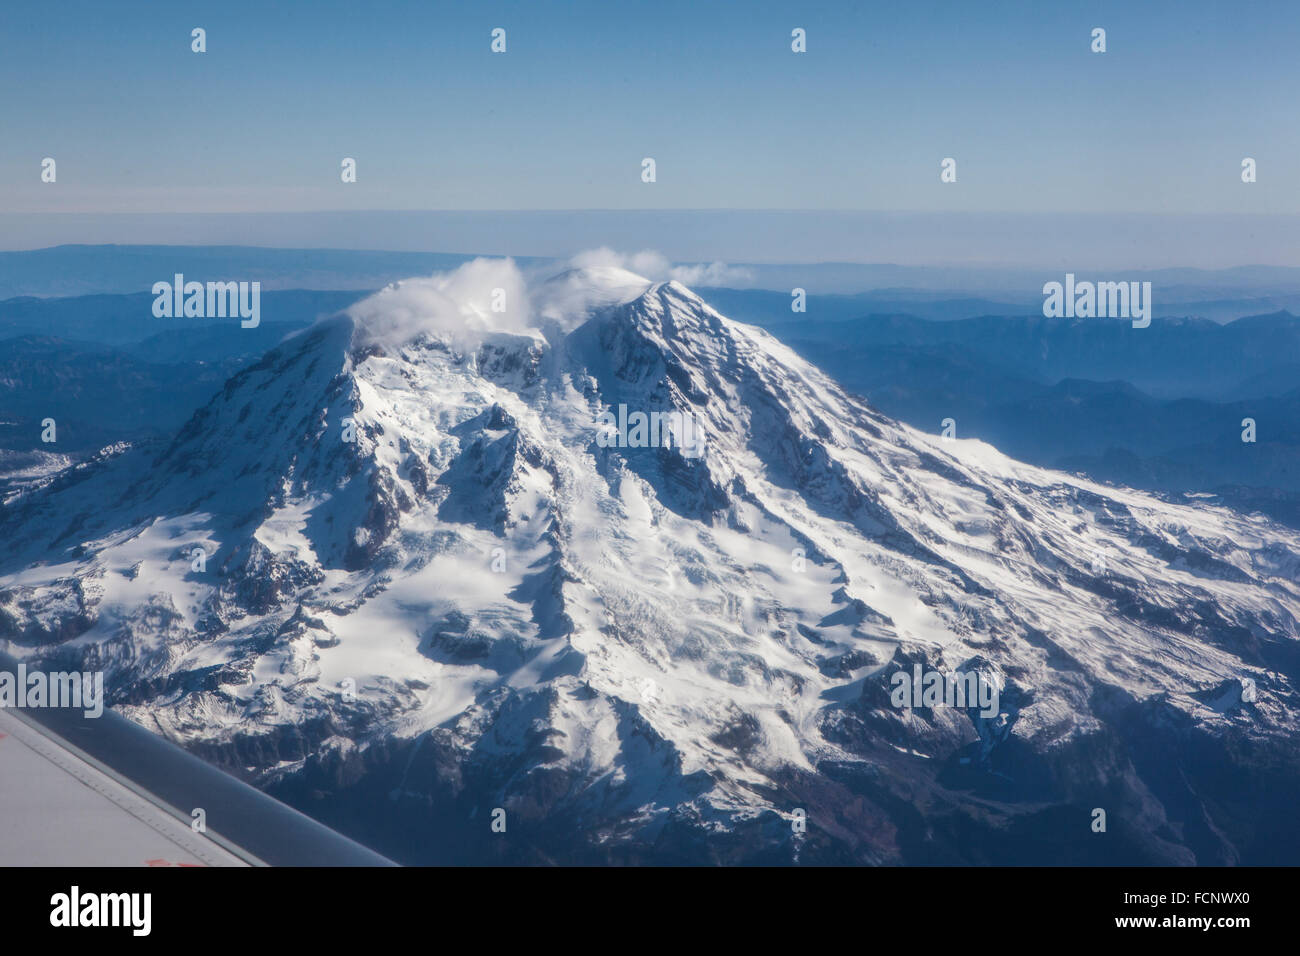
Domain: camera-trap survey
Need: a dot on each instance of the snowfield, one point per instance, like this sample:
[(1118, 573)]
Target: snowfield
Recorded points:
[(425, 591)]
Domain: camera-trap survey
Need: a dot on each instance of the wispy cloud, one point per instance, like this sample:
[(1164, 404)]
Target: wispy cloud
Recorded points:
[(657, 267), (495, 295), (456, 304)]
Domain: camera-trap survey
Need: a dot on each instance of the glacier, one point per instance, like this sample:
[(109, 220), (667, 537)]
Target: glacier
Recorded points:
[(425, 591)]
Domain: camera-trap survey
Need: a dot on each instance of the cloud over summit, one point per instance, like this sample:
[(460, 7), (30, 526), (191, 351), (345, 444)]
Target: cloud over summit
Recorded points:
[(495, 295)]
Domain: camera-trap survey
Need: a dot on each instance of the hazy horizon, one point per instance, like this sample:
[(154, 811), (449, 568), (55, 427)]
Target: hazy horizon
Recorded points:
[(1059, 241)]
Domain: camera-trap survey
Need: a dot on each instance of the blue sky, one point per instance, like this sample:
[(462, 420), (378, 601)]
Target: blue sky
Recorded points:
[(735, 120)]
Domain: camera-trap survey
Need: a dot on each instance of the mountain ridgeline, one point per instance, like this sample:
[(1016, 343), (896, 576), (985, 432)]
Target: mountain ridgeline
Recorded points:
[(402, 585)]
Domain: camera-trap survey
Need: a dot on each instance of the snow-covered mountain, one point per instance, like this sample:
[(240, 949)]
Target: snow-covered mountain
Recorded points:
[(427, 590)]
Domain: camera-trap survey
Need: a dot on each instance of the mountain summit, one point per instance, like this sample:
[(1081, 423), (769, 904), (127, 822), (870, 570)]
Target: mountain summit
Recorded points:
[(393, 573)]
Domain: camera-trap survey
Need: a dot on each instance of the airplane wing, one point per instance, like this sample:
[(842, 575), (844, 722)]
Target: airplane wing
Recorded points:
[(80, 791)]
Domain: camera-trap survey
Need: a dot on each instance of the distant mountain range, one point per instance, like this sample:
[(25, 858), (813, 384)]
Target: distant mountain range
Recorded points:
[(847, 289), (128, 321), (126, 270), (102, 369)]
